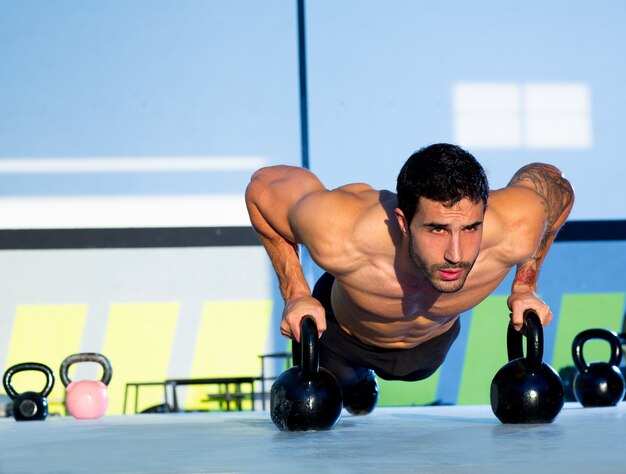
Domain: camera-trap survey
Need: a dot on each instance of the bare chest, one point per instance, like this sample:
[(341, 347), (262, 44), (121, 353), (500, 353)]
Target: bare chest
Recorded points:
[(393, 296), (395, 312)]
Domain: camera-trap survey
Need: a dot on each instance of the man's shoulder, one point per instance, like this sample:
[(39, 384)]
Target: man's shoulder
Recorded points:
[(345, 226), (345, 202), (357, 191), (514, 223), (515, 204)]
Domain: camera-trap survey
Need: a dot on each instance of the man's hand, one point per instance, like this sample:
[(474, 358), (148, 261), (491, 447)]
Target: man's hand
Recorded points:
[(298, 308), (520, 301)]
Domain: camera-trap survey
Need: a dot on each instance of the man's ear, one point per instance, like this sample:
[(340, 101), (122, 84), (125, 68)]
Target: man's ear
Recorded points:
[(402, 221)]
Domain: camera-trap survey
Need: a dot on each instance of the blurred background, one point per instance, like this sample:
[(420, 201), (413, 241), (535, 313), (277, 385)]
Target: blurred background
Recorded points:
[(129, 130)]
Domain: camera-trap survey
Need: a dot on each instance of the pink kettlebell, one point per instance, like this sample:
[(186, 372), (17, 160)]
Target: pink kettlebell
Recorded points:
[(86, 399)]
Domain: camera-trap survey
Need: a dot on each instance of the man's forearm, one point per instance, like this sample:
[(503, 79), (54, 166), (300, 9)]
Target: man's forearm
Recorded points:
[(286, 262), (282, 252)]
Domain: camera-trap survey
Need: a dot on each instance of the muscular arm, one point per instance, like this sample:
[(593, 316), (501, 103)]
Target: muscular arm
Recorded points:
[(557, 198), (271, 196)]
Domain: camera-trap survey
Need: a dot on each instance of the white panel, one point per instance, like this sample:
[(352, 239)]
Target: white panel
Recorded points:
[(488, 131), (557, 97), (558, 131), (557, 115), (535, 115), (487, 98), (123, 212), (487, 115), (128, 165)]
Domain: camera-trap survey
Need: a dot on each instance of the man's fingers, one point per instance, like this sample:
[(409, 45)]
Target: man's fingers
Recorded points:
[(298, 309), (285, 330), (321, 327), (517, 317), (516, 321)]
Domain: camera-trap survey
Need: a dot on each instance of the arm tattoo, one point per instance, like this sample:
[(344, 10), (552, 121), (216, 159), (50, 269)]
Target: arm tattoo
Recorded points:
[(525, 276), (555, 191)]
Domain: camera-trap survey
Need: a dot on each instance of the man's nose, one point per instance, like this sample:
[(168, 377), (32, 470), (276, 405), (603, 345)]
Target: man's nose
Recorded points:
[(453, 251)]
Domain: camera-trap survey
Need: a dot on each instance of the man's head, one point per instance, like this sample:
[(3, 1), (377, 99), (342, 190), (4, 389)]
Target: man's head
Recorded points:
[(442, 196), (442, 172)]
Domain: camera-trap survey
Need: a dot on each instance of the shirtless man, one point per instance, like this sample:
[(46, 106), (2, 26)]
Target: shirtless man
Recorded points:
[(401, 268)]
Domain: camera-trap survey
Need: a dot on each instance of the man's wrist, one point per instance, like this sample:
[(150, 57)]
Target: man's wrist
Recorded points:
[(297, 294), (523, 288)]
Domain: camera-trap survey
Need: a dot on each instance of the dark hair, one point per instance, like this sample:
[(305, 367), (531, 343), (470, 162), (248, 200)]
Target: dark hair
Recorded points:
[(442, 172)]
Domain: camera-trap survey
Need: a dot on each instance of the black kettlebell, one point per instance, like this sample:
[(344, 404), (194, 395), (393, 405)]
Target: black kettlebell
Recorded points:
[(598, 384), (29, 406), (526, 390), (306, 397)]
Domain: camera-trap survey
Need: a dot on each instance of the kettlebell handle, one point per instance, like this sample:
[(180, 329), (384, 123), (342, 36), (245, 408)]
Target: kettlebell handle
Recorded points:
[(11, 371), (310, 357), (596, 333), (534, 340), (107, 370)]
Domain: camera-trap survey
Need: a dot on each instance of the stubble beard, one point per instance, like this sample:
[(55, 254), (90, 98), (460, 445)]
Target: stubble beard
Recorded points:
[(430, 272)]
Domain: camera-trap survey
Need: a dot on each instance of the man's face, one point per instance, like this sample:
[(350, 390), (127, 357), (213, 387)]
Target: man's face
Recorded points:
[(444, 241)]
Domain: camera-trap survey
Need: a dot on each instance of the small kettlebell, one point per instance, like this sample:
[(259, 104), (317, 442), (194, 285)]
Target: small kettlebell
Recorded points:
[(86, 399), (29, 406), (526, 390), (598, 384), (306, 397)]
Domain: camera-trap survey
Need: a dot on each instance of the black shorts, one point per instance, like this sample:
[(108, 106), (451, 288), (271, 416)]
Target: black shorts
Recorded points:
[(351, 360)]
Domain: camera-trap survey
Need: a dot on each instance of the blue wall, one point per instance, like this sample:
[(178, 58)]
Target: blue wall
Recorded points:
[(216, 78), (153, 113)]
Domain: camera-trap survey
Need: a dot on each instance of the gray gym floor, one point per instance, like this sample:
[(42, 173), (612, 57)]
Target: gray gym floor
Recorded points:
[(438, 439)]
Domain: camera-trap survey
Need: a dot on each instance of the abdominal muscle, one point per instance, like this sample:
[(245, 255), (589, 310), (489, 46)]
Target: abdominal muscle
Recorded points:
[(390, 331)]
